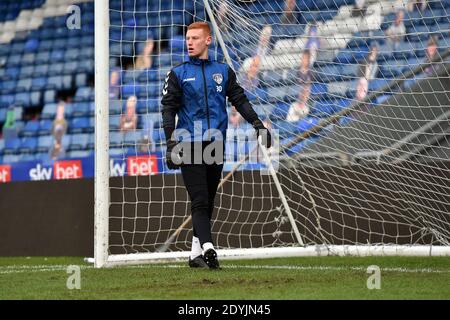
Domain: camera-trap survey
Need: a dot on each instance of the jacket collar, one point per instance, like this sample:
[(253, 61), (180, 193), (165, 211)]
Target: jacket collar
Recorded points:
[(199, 61)]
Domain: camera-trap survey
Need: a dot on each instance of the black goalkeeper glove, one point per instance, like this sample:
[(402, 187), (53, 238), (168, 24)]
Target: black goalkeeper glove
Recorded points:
[(262, 131), (170, 155)]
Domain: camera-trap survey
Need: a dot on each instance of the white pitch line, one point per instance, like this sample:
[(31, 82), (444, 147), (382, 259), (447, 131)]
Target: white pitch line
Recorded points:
[(47, 268)]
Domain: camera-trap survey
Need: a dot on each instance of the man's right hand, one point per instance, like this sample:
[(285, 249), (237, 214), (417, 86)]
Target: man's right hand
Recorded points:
[(169, 155)]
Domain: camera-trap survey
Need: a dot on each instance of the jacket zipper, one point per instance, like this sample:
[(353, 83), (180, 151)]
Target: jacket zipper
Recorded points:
[(206, 94)]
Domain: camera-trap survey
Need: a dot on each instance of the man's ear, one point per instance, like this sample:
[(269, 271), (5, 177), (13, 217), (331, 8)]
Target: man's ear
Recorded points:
[(208, 40)]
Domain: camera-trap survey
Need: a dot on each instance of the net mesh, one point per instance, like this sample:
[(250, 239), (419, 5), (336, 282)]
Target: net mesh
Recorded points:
[(357, 92)]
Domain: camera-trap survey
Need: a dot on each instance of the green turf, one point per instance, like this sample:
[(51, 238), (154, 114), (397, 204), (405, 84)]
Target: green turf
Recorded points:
[(309, 278)]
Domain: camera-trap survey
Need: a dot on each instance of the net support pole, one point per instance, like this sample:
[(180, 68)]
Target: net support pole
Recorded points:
[(281, 193), (101, 180), (218, 33)]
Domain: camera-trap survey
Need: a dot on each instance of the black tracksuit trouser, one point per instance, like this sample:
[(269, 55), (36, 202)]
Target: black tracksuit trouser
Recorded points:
[(201, 181)]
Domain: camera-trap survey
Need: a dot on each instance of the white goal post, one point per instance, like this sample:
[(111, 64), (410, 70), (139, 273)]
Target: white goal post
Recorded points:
[(360, 166)]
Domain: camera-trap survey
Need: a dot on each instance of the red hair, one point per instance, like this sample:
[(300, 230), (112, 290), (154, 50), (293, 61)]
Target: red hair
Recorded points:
[(200, 25)]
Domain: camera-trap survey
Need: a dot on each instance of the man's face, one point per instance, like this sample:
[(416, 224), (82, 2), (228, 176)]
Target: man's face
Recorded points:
[(197, 42), (131, 105), (305, 61), (399, 17)]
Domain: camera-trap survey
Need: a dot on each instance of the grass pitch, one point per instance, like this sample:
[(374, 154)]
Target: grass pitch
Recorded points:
[(286, 279)]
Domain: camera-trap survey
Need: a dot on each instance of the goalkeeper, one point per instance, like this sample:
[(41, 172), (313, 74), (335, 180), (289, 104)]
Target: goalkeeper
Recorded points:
[(196, 92)]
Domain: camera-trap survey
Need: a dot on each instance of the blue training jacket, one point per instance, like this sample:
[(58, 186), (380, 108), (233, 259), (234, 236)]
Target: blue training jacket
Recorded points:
[(196, 91)]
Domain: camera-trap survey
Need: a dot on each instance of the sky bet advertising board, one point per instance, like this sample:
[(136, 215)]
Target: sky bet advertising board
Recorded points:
[(139, 165)]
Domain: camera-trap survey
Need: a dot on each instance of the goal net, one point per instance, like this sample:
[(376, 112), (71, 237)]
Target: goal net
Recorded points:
[(356, 93)]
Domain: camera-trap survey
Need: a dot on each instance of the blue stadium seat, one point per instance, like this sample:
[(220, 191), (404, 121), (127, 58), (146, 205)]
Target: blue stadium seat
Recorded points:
[(79, 154), (22, 99), (24, 84), (81, 80), (44, 143), (80, 109), (91, 141), (49, 111), (8, 86), (2, 118), (12, 73), (31, 129), (42, 58), (31, 45), (25, 157), (71, 54), (28, 59), (40, 70), (70, 67), (130, 89), (79, 141), (80, 125), (57, 55), (59, 44), (115, 107), (45, 127), (10, 158), (45, 45), (55, 69), (114, 122), (158, 136), (38, 83), (11, 146), (49, 96), (131, 138), (6, 100), (28, 145), (115, 139), (14, 60), (84, 94), (86, 66)]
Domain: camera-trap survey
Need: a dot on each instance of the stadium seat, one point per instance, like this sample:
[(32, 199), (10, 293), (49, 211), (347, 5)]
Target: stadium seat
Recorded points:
[(22, 99), (24, 84), (10, 158), (42, 58), (115, 139), (49, 96), (28, 145), (79, 141), (77, 154), (49, 111), (44, 143), (114, 122), (56, 68), (31, 129), (80, 109), (131, 138), (84, 94), (11, 146), (28, 59), (25, 157), (80, 125), (35, 98), (81, 80), (40, 70), (91, 141), (45, 127), (57, 55)]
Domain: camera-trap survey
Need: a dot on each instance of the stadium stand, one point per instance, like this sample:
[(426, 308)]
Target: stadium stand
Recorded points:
[(42, 60)]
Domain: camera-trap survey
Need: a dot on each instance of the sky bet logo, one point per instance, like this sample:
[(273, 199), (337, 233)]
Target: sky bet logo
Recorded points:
[(70, 169), (5, 173), (142, 165)]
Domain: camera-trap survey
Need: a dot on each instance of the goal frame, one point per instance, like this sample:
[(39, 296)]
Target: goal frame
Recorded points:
[(102, 258)]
